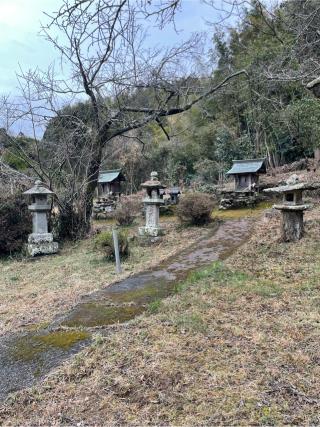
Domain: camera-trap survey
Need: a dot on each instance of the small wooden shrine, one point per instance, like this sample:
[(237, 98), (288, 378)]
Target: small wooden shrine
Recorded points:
[(246, 184), (108, 192), (172, 193), (246, 173), (109, 183), (292, 207)]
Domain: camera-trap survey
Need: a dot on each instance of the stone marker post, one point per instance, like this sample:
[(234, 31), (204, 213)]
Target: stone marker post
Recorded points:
[(152, 203), (40, 242), (116, 250)]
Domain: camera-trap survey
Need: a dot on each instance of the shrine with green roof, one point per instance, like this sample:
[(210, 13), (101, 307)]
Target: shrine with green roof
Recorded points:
[(246, 173), (109, 183)]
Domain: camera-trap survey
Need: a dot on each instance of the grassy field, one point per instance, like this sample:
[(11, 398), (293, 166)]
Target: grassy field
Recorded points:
[(238, 344), (33, 291)]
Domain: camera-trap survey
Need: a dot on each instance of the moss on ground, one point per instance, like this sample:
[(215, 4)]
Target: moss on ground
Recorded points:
[(238, 344), (34, 291), (95, 314), (29, 347), (241, 213)]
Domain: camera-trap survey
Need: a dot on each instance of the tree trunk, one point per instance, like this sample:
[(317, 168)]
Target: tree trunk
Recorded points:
[(92, 182), (292, 225), (75, 216)]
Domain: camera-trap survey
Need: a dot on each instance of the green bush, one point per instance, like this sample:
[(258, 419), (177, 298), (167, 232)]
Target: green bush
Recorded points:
[(195, 209), (15, 161), (15, 224), (104, 242)]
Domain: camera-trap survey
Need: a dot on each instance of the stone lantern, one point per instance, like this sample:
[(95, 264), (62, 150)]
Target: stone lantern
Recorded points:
[(40, 242), (292, 207), (152, 203)]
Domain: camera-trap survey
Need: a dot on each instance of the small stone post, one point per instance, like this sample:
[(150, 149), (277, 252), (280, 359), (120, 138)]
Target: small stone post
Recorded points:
[(116, 250), (40, 242), (152, 203)]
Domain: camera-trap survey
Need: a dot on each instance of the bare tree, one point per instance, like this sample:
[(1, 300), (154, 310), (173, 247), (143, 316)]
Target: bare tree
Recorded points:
[(104, 51)]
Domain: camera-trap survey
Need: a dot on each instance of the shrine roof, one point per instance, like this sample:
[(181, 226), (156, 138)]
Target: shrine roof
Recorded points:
[(247, 166), (110, 176)]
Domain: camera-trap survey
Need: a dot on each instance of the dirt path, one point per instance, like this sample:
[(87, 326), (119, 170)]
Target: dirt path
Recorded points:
[(27, 358)]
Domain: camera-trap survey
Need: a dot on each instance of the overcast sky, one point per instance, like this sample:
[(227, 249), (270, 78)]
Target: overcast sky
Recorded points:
[(19, 40), (21, 45)]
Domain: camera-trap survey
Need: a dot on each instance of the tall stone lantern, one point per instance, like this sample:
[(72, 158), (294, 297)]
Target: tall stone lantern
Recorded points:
[(152, 203), (40, 242)]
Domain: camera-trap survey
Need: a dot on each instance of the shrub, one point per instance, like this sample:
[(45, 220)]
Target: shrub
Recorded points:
[(104, 242), (14, 161), (195, 208), (67, 223), (15, 223), (167, 210), (127, 210)]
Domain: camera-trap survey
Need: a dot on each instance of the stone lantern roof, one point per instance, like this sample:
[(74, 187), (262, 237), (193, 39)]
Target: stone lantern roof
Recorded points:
[(153, 183), (38, 189), (293, 185), (292, 194)]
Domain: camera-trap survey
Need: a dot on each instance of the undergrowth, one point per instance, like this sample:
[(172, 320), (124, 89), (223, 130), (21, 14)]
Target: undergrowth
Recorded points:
[(228, 348), (221, 276)]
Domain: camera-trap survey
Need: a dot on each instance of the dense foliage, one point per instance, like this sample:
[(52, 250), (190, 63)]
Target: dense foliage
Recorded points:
[(104, 243), (195, 209), (15, 223), (253, 116)]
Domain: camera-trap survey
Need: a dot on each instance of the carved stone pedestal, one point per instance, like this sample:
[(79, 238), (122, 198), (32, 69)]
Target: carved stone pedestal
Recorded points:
[(41, 244), (152, 227)]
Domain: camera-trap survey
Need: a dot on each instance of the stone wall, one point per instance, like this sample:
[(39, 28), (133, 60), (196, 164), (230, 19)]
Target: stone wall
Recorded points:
[(240, 199), (103, 207), (236, 200)]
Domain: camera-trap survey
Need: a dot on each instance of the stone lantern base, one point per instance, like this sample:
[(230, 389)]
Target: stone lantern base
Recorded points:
[(151, 231), (41, 244), (292, 222)]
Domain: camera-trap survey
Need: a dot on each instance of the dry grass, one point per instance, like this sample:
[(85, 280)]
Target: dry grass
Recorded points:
[(237, 345), (32, 292)]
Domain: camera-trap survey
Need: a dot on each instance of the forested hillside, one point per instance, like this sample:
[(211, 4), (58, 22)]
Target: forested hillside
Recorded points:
[(241, 94), (266, 112)]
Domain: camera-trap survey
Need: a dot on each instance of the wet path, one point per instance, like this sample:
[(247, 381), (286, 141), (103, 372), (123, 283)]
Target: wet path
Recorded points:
[(26, 358)]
